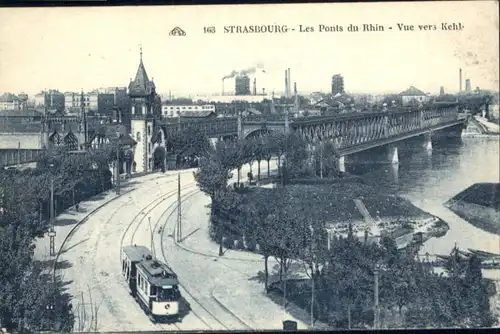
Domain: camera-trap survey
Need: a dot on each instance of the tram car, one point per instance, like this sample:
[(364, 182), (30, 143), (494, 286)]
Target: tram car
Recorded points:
[(152, 283)]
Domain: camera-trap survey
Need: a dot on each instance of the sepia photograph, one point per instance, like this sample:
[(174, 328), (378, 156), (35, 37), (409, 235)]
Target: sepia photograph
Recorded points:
[(284, 167)]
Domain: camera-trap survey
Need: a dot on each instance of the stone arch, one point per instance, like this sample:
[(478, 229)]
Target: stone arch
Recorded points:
[(258, 133)]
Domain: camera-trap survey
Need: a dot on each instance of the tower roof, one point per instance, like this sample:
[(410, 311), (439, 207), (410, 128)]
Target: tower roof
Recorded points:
[(141, 85)]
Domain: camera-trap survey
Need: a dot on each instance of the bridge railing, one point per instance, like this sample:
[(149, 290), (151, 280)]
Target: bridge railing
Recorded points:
[(349, 130)]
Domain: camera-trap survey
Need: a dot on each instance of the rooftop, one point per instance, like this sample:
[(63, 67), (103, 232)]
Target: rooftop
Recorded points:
[(158, 273), (197, 113), (136, 253), (8, 97), (141, 86), (412, 91), (21, 113)]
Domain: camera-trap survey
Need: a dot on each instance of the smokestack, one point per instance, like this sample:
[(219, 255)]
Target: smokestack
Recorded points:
[(254, 86), (222, 87), (286, 83), (295, 88), (460, 78), (289, 84)]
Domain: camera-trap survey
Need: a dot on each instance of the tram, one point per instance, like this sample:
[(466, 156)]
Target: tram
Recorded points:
[(152, 283)]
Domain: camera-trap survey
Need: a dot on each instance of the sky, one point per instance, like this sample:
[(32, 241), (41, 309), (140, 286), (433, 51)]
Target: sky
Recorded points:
[(90, 47)]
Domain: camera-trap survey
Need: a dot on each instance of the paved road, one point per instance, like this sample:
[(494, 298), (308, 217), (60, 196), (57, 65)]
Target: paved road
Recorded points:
[(146, 216), (94, 254)]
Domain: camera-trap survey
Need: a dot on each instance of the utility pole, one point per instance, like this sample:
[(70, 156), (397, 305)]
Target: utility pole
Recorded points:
[(151, 231), (118, 163), (376, 319), (52, 232), (179, 217)]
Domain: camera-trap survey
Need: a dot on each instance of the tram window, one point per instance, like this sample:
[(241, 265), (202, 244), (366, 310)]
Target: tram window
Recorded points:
[(152, 290)]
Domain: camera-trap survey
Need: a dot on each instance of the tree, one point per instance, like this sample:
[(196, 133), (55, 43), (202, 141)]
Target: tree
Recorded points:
[(329, 159), (259, 150), (297, 156), (275, 143)]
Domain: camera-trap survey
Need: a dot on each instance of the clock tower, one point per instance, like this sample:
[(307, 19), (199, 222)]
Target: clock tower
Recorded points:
[(145, 107)]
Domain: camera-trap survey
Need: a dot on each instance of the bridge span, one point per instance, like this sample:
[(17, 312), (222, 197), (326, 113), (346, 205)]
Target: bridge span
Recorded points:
[(351, 133)]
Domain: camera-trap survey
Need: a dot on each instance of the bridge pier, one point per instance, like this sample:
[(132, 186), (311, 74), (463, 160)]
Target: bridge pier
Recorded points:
[(341, 164), (428, 141), (392, 154)]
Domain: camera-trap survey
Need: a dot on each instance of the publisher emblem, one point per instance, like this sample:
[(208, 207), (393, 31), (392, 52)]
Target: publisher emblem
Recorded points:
[(177, 32)]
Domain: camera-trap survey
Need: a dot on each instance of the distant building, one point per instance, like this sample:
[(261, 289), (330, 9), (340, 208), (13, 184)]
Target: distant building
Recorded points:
[(413, 95), (168, 110), (242, 85), (467, 86), (197, 114), (93, 102), (51, 99), (316, 97), (9, 101), (337, 84), (441, 91)]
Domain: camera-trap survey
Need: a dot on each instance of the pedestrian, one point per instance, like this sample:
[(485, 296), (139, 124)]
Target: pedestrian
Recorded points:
[(77, 207)]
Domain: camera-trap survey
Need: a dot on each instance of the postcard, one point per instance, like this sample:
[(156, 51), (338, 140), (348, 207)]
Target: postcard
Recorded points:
[(250, 167)]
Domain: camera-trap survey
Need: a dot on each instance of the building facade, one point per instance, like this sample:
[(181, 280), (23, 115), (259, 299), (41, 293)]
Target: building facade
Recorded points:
[(93, 102), (9, 102), (168, 110), (413, 96), (338, 84), (51, 99), (242, 85)]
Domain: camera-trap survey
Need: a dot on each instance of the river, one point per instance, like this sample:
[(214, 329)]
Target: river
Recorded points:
[(430, 179)]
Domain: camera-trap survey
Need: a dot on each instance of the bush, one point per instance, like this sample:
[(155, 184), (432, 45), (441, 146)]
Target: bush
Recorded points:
[(250, 244), (228, 242), (238, 244)]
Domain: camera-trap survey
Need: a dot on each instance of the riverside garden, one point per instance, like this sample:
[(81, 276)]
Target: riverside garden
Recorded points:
[(289, 222)]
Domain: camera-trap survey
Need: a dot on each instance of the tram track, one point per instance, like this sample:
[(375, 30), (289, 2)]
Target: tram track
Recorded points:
[(99, 287), (172, 210), (145, 210), (168, 213)]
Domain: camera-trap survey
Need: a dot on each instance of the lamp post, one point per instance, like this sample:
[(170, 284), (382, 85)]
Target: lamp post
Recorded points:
[(179, 212), (151, 231)]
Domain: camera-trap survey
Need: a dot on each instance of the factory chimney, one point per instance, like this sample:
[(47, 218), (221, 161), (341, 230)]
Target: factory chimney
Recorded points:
[(254, 86), (289, 84), (460, 78), (222, 87), (286, 83)]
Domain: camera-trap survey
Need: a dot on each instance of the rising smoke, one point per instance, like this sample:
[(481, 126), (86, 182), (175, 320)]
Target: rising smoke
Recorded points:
[(250, 70)]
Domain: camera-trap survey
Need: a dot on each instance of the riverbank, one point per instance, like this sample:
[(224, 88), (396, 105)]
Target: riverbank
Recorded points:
[(479, 205), (349, 201)]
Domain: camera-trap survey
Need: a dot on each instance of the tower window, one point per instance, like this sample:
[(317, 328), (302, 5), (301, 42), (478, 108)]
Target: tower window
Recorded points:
[(138, 136), (149, 130)]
